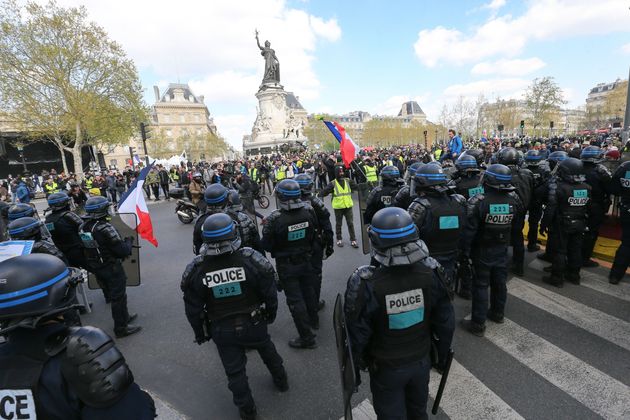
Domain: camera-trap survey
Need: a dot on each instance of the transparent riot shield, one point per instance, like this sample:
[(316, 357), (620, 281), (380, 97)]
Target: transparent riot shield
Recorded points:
[(363, 190), (131, 264), (344, 356)]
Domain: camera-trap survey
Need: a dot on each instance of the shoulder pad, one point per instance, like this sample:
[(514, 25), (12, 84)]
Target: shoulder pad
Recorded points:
[(459, 198), (602, 170), (108, 230), (319, 206), (257, 259), (421, 201), (74, 217), (185, 283), (94, 368), (273, 216), (354, 296)]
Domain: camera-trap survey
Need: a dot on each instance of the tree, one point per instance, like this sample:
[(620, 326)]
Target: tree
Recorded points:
[(63, 79), (543, 99)]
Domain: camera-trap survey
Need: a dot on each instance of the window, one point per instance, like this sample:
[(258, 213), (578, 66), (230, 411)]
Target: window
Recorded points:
[(113, 163), (182, 118), (169, 133)]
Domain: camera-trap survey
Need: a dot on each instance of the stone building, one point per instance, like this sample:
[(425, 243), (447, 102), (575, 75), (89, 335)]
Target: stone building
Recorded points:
[(601, 109), (411, 111)]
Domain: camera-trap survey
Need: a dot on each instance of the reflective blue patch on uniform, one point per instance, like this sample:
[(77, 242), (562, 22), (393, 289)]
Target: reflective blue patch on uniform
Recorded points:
[(50, 227), (474, 191), (227, 290), (449, 222), (499, 209), (297, 235), (406, 319), (580, 193)]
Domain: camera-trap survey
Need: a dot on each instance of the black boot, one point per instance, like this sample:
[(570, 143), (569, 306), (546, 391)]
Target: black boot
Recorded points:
[(248, 414), (300, 343), (474, 328), (496, 317), (545, 257), (281, 382), (553, 280), (128, 330), (612, 279)]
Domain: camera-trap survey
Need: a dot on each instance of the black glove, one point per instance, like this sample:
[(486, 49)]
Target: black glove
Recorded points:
[(270, 315), (329, 251), (201, 339), (129, 240)]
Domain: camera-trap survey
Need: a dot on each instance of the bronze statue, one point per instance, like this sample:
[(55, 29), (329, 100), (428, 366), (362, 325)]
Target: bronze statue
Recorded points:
[(272, 65)]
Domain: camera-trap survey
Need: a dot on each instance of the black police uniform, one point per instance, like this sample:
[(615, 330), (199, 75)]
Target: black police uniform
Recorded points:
[(600, 180), (227, 290), (63, 226), (380, 197), (523, 181), (621, 188), (247, 229), (403, 197), (486, 239), (289, 235), (541, 175), (29, 228), (467, 184), (104, 251)]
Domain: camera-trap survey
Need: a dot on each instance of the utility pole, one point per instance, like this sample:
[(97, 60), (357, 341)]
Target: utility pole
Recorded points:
[(143, 133)]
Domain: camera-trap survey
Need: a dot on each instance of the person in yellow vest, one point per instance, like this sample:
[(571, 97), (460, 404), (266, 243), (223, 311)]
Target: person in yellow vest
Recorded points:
[(50, 187), (341, 189), (438, 153), (371, 174), (254, 174), (281, 172)]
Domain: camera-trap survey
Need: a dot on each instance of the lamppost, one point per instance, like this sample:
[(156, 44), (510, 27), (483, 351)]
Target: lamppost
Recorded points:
[(20, 148)]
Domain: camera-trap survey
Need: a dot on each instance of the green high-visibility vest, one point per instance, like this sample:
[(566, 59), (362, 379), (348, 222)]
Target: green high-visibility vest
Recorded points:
[(281, 173), (253, 173), (51, 188), (342, 197), (370, 174)]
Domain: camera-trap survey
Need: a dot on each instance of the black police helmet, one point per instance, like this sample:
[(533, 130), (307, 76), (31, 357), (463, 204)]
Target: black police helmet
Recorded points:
[(591, 154), (391, 226), (305, 181), (216, 195), (220, 234), (430, 175), (555, 157), (508, 156), (390, 174), (289, 194), (235, 200), (533, 157), (413, 168), (476, 153), (466, 163), (97, 207), (571, 170), (58, 201), (20, 210), (35, 285), (25, 228), (498, 176)]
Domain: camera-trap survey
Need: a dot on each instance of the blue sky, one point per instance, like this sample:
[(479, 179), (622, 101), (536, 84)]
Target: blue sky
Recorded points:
[(340, 56)]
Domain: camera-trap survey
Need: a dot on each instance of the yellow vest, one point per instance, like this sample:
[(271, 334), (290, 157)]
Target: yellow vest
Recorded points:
[(342, 197), (253, 172), (175, 176), (51, 188), (88, 183), (370, 173), (438, 153), (281, 173)]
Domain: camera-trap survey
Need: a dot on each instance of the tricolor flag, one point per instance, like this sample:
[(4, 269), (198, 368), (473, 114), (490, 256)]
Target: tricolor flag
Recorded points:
[(133, 202), (349, 150)]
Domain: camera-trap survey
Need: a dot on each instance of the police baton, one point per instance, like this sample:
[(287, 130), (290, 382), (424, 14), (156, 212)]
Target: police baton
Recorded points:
[(447, 369)]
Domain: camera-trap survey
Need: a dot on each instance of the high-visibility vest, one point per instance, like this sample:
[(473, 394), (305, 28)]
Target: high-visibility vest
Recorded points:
[(342, 197), (175, 176), (253, 173), (88, 183), (370, 174), (438, 153), (281, 173), (51, 188)]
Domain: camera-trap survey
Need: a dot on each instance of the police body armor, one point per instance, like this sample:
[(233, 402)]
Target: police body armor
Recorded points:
[(60, 225), (497, 213), (19, 380), (97, 256), (572, 200), (229, 293), (321, 213), (468, 186), (403, 197), (401, 330), (540, 174), (595, 174), (295, 233), (522, 179), (446, 218)]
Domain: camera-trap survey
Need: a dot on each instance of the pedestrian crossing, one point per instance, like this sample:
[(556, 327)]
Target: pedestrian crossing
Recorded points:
[(596, 392)]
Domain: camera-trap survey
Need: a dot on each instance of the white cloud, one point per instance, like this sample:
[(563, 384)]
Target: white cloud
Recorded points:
[(510, 88), (504, 67), (626, 48), (391, 106), (211, 45), (507, 35), (494, 5)]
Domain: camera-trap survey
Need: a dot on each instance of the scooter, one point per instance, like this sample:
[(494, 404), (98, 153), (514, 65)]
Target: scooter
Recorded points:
[(186, 211)]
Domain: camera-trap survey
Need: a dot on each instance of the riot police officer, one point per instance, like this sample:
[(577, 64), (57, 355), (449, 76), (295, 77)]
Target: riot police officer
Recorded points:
[(49, 370), (216, 197), (599, 178), (325, 236), (289, 235), (20, 210), (621, 188), (63, 225), (392, 311), (104, 251), (486, 239), (438, 215), (552, 161), (534, 161), (382, 195), (523, 182), (468, 176), (230, 296), (567, 210), (29, 229), (407, 193)]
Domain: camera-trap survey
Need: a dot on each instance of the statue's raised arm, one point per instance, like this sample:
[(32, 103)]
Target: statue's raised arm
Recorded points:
[(257, 41)]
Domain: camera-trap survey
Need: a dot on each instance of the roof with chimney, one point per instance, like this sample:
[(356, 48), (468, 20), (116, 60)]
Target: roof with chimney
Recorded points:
[(410, 108), (293, 102), (177, 92)]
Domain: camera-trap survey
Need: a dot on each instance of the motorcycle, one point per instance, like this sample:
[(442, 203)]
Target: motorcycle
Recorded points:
[(186, 211)]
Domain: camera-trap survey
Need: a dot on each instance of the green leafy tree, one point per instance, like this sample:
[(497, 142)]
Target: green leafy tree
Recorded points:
[(543, 99)]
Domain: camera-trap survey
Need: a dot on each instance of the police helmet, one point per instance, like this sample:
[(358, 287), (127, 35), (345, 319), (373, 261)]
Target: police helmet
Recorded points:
[(508, 156), (196, 175), (289, 194), (391, 226), (58, 200), (498, 176), (476, 153), (35, 288), (467, 163), (216, 196), (430, 175), (557, 156), (389, 174), (220, 234), (533, 157), (571, 170), (413, 168), (235, 200), (591, 154), (97, 207), (25, 228), (305, 181), (20, 210)]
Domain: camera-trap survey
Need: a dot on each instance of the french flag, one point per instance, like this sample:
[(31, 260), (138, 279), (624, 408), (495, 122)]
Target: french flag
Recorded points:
[(349, 150), (132, 201)]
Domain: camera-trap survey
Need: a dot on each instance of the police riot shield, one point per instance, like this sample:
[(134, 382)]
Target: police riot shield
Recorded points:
[(363, 190), (344, 356), (131, 264)]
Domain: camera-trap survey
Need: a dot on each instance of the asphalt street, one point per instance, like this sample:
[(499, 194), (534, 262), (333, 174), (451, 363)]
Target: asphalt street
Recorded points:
[(562, 353)]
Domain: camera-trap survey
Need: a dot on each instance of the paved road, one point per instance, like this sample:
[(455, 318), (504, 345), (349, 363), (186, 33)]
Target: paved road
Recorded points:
[(562, 353)]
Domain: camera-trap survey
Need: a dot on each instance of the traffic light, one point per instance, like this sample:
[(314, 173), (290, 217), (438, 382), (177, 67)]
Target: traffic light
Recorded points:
[(522, 123), (145, 132), (500, 127), (550, 124)]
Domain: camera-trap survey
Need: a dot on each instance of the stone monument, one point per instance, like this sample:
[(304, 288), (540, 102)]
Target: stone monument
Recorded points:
[(280, 118)]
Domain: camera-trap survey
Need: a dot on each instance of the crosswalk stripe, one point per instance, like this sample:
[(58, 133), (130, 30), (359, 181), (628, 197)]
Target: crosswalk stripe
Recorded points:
[(596, 322), (599, 392), (465, 396)]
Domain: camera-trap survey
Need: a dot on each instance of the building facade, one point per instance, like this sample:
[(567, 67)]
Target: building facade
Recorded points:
[(606, 104)]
